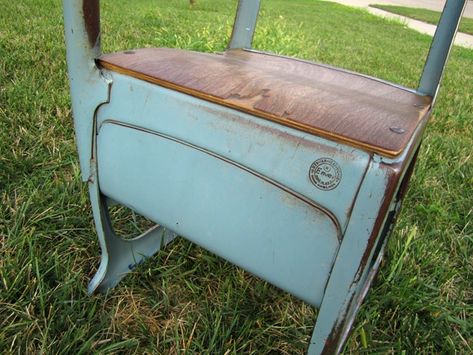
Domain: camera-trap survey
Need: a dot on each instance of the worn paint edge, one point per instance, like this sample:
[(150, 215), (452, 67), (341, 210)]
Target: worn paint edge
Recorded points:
[(341, 331), (290, 123)]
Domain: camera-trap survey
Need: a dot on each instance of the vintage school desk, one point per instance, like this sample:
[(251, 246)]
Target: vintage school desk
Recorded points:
[(292, 170)]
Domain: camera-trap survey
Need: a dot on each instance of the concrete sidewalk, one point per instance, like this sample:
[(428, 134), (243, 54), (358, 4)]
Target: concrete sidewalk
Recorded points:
[(436, 5), (461, 39)]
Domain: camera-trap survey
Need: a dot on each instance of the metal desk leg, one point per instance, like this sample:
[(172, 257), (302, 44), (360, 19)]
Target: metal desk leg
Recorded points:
[(120, 256)]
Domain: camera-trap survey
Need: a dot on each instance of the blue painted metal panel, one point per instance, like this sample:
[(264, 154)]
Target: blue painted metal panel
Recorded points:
[(225, 209), (281, 153)]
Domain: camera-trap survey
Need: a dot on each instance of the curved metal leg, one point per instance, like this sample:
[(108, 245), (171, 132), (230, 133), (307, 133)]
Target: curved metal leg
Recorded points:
[(340, 329), (356, 264), (120, 256)]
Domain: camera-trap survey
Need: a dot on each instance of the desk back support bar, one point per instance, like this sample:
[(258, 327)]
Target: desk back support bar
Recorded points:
[(440, 47), (245, 24)]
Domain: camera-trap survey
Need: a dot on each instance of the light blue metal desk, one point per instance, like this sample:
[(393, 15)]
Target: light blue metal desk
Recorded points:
[(293, 170)]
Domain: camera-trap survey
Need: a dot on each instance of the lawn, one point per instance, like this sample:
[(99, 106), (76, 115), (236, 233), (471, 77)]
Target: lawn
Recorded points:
[(186, 299), (425, 15)]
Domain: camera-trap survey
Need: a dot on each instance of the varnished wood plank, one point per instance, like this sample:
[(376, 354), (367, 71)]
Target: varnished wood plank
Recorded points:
[(343, 106)]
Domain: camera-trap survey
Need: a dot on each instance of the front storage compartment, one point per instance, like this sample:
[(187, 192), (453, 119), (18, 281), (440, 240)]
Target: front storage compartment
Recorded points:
[(227, 209)]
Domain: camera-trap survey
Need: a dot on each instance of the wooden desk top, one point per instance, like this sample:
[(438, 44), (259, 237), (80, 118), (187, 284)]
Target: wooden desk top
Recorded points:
[(342, 106)]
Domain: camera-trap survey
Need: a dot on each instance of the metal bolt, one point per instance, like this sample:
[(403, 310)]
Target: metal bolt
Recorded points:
[(397, 130)]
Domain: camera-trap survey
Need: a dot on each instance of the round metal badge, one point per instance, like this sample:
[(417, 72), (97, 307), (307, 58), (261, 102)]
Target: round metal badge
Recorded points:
[(325, 174)]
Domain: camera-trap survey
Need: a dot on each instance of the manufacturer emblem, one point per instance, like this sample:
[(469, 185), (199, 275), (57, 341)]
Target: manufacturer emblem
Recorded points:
[(325, 174)]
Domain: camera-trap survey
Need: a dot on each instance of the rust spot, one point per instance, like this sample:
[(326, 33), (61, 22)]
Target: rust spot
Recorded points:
[(293, 140), (395, 189), (91, 13), (407, 177), (331, 344), (339, 332), (393, 178)]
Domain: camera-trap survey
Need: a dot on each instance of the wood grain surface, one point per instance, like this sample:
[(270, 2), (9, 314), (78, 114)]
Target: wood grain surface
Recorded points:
[(343, 106)]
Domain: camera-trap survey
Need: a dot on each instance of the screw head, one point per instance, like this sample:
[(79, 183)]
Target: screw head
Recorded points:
[(398, 130)]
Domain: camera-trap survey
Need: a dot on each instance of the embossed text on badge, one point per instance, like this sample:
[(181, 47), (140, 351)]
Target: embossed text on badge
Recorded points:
[(325, 174)]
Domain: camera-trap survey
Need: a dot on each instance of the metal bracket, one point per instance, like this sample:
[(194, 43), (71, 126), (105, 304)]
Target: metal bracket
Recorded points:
[(120, 256)]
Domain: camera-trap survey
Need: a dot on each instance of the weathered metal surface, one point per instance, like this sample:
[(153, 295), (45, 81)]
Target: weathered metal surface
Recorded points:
[(89, 88), (341, 288), (220, 206), (398, 174), (278, 152), (370, 259), (353, 268)]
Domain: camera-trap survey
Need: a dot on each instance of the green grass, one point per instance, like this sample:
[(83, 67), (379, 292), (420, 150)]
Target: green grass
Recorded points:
[(186, 299), (425, 15)]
